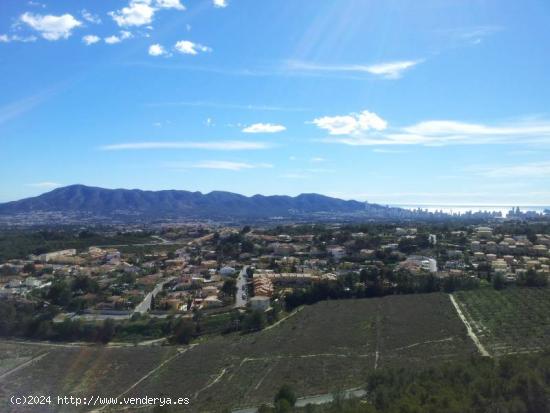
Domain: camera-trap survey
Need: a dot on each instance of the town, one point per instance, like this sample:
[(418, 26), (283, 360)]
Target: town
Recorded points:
[(183, 281)]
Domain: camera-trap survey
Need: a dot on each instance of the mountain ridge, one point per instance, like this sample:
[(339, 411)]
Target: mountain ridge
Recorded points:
[(180, 203)]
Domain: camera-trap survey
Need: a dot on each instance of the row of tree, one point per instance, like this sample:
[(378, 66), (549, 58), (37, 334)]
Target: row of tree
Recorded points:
[(512, 384), (375, 284)]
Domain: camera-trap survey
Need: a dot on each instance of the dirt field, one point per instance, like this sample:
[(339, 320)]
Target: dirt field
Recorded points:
[(508, 321), (322, 348)]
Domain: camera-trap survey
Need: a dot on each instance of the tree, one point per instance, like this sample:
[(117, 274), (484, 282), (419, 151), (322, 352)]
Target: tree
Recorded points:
[(29, 268), (254, 321), (107, 331), (85, 284), (498, 282), (407, 245), (183, 332), (282, 406), (533, 279), (59, 293), (229, 287), (264, 408), (287, 394)]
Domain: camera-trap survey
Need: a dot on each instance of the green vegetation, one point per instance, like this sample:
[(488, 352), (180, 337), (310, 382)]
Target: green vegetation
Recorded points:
[(510, 320), (326, 346), (20, 244), (513, 384), (377, 283)]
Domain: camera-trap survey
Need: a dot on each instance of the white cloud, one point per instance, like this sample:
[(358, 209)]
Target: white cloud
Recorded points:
[(15, 109), (90, 39), (352, 124), (212, 145), (188, 47), (142, 12), (391, 70), (36, 4), (45, 185), (114, 39), (435, 132), (156, 50), (226, 165), (474, 35), (138, 13), (264, 128), (317, 159), (126, 35), (6, 38), (220, 3), (89, 17), (387, 70), (170, 4), (51, 27)]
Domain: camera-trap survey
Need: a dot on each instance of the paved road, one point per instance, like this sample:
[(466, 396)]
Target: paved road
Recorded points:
[(241, 289), (145, 305), (319, 399)]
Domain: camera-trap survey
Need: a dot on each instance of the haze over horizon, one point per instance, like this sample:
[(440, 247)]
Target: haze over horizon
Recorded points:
[(448, 107)]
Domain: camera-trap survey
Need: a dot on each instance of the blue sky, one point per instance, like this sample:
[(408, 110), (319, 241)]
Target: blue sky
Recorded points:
[(443, 101)]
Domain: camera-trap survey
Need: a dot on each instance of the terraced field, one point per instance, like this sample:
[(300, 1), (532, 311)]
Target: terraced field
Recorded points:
[(509, 321), (322, 348)]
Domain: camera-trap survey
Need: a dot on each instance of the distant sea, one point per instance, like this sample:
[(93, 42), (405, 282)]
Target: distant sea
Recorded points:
[(456, 209)]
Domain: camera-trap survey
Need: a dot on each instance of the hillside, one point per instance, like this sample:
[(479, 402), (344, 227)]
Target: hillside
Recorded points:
[(329, 346), (80, 199)]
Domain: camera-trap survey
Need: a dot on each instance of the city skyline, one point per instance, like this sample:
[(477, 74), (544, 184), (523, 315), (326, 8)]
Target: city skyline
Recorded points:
[(438, 103)]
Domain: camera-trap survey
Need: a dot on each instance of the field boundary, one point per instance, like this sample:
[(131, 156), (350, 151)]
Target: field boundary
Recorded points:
[(149, 374), (471, 333), (23, 365), (292, 314)]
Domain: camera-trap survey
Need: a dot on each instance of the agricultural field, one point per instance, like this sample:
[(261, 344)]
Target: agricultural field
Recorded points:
[(513, 320), (322, 348), (13, 355)]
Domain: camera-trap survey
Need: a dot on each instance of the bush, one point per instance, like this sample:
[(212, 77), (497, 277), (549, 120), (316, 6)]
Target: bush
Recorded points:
[(285, 393)]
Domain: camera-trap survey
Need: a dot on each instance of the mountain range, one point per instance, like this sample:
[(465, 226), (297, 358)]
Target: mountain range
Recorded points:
[(171, 204)]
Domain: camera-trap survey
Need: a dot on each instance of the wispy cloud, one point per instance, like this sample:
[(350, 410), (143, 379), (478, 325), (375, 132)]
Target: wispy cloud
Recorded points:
[(89, 17), (525, 170), (212, 145), (45, 185), (387, 70), (474, 35), (294, 175), (225, 165), (264, 128), (383, 150), (236, 106), (7, 38), (367, 129), (17, 108)]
